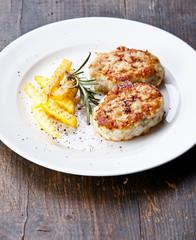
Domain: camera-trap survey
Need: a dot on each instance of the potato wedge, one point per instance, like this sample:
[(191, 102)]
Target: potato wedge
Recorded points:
[(44, 121), (59, 113), (35, 94), (67, 104), (61, 93), (42, 81), (57, 76), (64, 90)]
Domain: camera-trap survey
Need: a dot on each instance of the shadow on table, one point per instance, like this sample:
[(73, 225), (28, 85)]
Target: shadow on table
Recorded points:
[(167, 177), (109, 206)]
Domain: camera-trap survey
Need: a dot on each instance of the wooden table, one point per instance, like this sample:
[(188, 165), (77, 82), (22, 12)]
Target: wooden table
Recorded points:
[(37, 203)]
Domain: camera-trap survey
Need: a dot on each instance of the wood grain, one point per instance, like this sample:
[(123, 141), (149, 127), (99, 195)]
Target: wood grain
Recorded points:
[(38, 203)]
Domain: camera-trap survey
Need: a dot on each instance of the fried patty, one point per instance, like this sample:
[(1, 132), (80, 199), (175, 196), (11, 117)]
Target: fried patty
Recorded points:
[(128, 110), (122, 64)]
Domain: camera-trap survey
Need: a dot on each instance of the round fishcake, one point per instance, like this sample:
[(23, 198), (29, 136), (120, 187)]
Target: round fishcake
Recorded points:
[(128, 110), (122, 64)]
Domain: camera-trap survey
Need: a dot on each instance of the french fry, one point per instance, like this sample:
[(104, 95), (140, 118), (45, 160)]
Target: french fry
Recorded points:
[(35, 94), (61, 93), (55, 100), (42, 81), (57, 76), (65, 90), (59, 113), (44, 121), (67, 104)]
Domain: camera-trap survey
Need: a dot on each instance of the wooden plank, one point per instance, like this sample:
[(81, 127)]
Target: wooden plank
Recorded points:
[(10, 20), (71, 207), (14, 187), (176, 17), (167, 200)]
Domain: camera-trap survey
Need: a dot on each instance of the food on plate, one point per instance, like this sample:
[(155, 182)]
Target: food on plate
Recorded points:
[(54, 110), (122, 64), (42, 81), (47, 106), (57, 76), (128, 110), (67, 104), (37, 96), (44, 121), (65, 89), (87, 95), (56, 98)]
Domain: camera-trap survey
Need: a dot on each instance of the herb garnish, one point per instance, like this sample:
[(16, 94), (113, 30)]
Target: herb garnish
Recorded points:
[(86, 93)]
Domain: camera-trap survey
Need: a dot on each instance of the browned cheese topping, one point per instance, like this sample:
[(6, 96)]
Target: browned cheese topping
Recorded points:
[(128, 104), (125, 64)]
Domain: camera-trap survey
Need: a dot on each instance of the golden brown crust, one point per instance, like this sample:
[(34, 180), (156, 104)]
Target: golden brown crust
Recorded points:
[(128, 104), (124, 64)]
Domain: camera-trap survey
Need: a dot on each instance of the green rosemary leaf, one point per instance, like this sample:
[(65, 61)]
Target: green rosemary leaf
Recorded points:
[(77, 73), (90, 83), (93, 98), (83, 63), (86, 93), (94, 102), (93, 91), (88, 80)]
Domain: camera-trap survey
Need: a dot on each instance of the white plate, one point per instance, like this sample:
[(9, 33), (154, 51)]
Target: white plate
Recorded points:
[(83, 151)]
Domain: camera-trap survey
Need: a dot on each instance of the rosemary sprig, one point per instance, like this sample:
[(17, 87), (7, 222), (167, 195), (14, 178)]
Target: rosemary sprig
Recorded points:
[(82, 84)]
